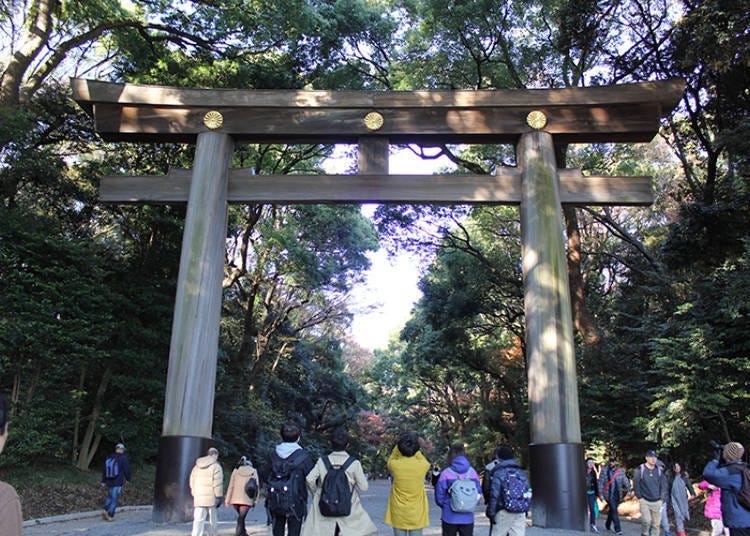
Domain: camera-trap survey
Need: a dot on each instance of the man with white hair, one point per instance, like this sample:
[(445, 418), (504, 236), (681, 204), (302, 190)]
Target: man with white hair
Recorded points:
[(207, 487)]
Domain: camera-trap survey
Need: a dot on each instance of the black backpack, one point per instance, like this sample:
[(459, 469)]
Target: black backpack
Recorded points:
[(283, 484), (336, 494)]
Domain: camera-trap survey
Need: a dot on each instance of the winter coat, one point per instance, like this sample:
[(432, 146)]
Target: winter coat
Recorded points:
[(459, 468), (236, 489), (407, 504), (206, 481), (613, 492), (679, 497), (358, 522), (713, 501), (123, 473), (495, 503), (729, 478)]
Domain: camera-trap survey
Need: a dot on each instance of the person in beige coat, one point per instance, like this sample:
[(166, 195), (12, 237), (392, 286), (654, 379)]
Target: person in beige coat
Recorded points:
[(236, 495), (10, 505), (207, 487), (358, 522)]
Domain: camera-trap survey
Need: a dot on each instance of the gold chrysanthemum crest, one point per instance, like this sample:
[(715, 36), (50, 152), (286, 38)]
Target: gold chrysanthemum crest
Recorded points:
[(536, 120), (373, 120), (213, 119)]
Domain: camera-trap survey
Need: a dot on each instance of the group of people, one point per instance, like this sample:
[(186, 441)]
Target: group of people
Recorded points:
[(722, 480), (291, 472)]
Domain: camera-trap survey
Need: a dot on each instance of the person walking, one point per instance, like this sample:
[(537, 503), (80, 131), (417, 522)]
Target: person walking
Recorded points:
[(651, 487), (592, 492), (408, 510), (505, 518), (456, 522), (207, 487), (11, 519), (712, 510), (114, 475), (728, 477), (237, 496), (682, 489), (288, 466), (358, 522), (612, 482)]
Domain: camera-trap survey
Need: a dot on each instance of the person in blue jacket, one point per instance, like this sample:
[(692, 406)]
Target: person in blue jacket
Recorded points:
[(456, 523), (725, 472), (116, 472)]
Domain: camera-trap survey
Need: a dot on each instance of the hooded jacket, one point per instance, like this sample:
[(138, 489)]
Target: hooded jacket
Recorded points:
[(408, 508), (236, 488), (459, 468), (206, 481)]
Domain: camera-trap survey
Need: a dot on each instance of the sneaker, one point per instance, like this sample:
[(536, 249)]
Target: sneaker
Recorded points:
[(594, 529), (619, 533)]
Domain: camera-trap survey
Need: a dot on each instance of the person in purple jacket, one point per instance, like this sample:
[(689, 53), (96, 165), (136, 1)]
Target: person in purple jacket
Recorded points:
[(456, 523)]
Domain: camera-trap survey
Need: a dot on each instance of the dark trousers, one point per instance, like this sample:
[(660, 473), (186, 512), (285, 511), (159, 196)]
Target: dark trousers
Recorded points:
[(292, 523), (739, 532), (592, 508), (451, 529), (613, 516)]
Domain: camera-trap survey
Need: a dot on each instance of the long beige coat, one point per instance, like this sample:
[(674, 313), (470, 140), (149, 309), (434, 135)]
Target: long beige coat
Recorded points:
[(358, 523), (236, 490), (206, 481)]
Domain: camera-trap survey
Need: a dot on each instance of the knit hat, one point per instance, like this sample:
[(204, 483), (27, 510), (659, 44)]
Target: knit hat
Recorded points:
[(733, 451), (119, 446), (504, 453)]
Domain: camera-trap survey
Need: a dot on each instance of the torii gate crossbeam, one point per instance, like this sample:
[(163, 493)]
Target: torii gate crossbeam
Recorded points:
[(535, 121)]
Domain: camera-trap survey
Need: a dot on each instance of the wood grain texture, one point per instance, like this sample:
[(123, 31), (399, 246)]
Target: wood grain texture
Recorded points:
[(624, 113), (191, 377), (550, 351), (504, 188)]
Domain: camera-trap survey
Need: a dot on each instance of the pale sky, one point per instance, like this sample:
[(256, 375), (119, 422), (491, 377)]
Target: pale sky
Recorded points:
[(384, 302)]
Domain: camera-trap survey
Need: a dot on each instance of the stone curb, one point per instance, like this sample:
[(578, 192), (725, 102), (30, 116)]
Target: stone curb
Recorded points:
[(78, 515)]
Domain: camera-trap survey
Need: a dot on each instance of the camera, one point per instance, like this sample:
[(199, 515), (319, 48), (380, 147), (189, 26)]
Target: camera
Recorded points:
[(717, 448)]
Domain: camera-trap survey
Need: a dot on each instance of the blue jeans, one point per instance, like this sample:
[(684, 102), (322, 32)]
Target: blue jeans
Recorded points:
[(592, 508), (112, 497)]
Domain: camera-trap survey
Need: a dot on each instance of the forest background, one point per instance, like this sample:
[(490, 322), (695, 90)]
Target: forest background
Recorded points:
[(661, 296)]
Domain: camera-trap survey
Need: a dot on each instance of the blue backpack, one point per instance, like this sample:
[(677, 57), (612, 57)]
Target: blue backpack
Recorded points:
[(515, 491), (111, 467)]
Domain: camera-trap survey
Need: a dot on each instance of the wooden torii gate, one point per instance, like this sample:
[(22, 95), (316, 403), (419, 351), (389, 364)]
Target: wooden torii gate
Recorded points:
[(535, 121)]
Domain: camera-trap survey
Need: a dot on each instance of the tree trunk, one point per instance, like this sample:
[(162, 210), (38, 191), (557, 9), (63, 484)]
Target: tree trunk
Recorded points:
[(91, 439), (34, 40), (582, 321)]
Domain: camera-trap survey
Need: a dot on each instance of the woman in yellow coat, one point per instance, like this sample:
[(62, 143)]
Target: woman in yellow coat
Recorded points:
[(358, 522), (407, 510)]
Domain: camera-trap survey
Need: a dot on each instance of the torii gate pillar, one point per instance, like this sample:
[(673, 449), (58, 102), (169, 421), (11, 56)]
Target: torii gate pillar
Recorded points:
[(193, 351), (556, 453)]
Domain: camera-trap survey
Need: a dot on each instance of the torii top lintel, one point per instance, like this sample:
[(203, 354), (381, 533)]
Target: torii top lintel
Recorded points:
[(621, 113)]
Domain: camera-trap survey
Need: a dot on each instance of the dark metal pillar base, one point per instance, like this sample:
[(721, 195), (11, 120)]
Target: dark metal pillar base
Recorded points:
[(173, 502), (558, 484)]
